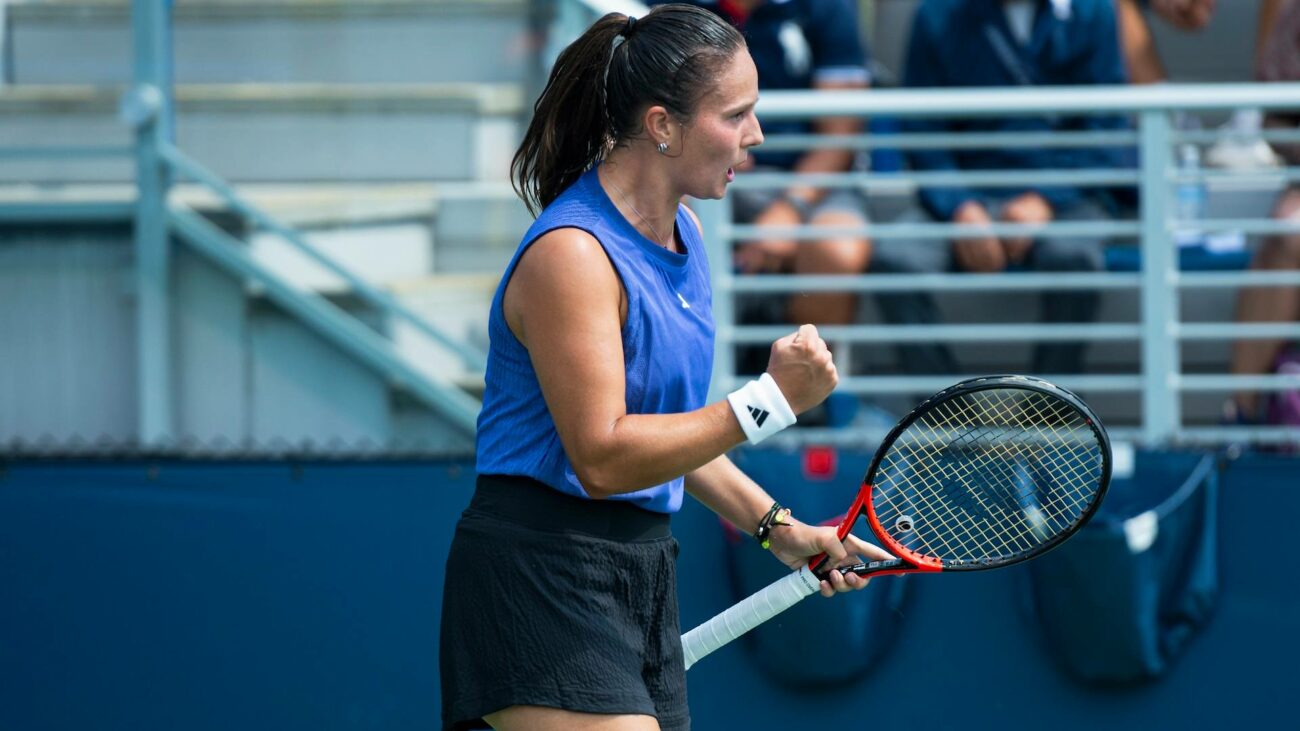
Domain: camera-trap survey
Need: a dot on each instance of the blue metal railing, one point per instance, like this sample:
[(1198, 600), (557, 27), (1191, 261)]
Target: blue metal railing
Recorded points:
[(472, 359), (147, 106), (345, 331), (1159, 331), (1160, 381)]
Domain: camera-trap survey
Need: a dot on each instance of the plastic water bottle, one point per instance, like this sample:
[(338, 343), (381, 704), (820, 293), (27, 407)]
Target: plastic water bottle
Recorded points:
[(1189, 197)]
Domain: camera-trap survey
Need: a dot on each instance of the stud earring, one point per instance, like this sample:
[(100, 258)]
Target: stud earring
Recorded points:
[(662, 147)]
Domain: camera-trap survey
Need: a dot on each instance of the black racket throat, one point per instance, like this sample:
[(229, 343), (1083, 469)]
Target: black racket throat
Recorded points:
[(869, 568), (894, 566)]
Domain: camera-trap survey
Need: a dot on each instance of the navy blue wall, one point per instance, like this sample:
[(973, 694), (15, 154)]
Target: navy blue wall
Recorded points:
[(217, 596)]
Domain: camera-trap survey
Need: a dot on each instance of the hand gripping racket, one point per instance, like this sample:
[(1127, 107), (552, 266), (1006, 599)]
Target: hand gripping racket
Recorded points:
[(987, 473)]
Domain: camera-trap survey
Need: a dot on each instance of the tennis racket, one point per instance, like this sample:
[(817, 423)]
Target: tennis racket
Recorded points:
[(987, 473)]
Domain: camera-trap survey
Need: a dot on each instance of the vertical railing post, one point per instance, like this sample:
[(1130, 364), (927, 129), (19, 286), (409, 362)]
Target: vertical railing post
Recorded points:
[(1160, 353), (6, 68), (715, 224), (147, 107)]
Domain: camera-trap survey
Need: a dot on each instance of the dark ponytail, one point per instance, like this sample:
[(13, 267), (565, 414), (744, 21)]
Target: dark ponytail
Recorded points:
[(599, 87)]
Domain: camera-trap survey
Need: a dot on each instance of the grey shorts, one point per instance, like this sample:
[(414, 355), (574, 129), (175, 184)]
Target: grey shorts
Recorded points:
[(748, 203)]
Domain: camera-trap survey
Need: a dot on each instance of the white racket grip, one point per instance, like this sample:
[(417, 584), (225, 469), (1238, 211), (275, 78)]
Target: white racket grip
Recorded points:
[(749, 613)]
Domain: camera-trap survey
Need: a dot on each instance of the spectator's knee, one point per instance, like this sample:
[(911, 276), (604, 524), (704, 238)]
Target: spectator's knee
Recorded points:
[(841, 255), (1282, 251), (1288, 205), (1279, 252), (836, 256), (992, 266)]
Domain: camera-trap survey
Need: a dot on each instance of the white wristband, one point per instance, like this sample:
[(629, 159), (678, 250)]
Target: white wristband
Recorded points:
[(761, 408)]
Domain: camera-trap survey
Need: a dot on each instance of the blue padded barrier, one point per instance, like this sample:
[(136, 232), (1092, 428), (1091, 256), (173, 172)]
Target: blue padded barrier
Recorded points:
[(1120, 600)]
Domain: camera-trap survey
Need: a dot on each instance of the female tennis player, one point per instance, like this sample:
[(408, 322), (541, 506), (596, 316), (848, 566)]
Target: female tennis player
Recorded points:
[(560, 605)]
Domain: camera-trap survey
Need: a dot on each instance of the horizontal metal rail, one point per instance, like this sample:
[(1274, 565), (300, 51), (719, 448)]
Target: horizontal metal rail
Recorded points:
[(1209, 436), (1032, 281), (1004, 102), (1020, 281), (1098, 229), (1209, 175), (1209, 137), (951, 141), (1190, 436), (1008, 332), (67, 212), (863, 385), (1236, 280), (1239, 225), (1016, 332), (1093, 383), (1235, 330), (941, 179), (1223, 382)]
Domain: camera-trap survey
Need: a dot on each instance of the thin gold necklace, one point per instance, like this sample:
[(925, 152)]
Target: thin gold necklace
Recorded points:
[(658, 239)]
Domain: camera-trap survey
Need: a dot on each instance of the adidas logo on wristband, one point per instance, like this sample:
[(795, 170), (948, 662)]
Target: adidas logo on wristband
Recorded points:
[(761, 408)]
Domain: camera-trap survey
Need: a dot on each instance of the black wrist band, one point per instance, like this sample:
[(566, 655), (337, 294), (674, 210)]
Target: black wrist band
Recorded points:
[(775, 516)]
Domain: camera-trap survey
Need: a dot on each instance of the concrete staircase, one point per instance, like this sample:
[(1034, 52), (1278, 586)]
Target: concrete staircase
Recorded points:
[(381, 129)]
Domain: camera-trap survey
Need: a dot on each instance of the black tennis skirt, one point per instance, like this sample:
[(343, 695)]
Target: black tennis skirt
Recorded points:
[(557, 601)]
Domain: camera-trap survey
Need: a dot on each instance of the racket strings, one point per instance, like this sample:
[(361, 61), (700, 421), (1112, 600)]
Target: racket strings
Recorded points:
[(991, 467), (1051, 460), (1022, 521), (949, 521), (988, 476)]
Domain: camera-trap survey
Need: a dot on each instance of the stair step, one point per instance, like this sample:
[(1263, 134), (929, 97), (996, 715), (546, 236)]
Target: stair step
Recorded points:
[(280, 132), (456, 304), (379, 41), (384, 232), (478, 228)]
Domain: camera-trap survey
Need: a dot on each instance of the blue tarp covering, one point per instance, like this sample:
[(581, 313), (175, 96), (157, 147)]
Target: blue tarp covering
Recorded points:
[(306, 596), (1121, 600)]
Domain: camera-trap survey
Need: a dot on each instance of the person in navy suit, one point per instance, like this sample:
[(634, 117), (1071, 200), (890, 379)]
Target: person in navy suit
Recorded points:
[(1006, 43)]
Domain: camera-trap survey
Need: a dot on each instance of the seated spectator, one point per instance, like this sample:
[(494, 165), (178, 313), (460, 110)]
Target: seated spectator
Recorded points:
[(1277, 58), (1006, 43), (1184, 14), (1140, 55), (1136, 43), (803, 44)]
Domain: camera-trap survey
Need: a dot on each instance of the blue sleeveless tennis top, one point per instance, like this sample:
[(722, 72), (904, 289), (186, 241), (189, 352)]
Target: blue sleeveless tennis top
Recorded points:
[(667, 345)]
